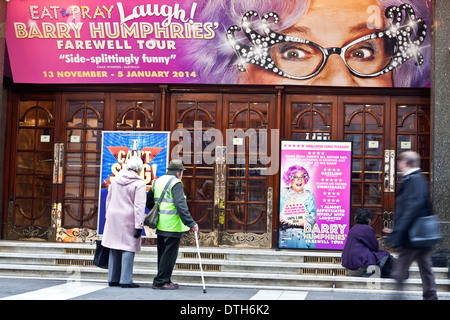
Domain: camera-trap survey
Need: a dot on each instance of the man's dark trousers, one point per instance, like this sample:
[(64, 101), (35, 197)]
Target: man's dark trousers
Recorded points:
[(423, 258), (167, 257)]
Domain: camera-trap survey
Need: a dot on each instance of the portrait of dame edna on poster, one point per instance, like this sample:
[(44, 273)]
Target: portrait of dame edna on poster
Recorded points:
[(367, 43)]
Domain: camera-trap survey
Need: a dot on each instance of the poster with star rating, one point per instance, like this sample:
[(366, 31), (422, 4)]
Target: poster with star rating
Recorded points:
[(315, 194), (117, 147)]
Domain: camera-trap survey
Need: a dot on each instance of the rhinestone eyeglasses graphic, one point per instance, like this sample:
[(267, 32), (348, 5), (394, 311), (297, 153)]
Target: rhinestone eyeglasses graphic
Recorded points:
[(298, 178), (369, 56)]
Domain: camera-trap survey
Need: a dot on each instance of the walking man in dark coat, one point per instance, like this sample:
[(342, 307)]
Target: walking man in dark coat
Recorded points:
[(412, 202)]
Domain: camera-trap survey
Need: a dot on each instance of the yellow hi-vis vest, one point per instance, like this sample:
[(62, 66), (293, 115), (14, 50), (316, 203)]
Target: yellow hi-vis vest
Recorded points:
[(169, 220)]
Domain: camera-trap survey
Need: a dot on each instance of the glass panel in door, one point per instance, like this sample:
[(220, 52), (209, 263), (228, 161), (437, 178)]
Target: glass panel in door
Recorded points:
[(413, 129), (310, 117), (137, 112)]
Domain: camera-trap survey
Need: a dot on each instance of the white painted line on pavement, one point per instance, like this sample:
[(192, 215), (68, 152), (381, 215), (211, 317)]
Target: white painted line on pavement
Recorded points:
[(64, 291), (279, 295)]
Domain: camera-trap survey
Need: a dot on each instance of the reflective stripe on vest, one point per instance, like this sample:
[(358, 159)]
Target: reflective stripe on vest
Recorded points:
[(169, 220)]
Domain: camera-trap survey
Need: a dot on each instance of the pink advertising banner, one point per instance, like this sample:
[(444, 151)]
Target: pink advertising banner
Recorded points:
[(221, 42), (315, 183)]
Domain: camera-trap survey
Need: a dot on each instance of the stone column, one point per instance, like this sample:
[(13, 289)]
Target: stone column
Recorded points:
[(2, 40), (440, 100), (3, 97)]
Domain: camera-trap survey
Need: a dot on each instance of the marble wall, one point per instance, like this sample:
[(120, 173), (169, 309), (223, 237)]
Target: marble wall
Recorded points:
[(3, 97), (440, 99)]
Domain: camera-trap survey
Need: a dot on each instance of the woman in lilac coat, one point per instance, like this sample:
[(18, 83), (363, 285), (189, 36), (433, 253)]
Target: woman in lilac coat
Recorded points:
[(125, 213), (361, 248)]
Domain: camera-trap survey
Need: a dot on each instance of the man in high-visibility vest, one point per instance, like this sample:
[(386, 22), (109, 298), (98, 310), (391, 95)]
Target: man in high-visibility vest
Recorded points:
[(174, 220)]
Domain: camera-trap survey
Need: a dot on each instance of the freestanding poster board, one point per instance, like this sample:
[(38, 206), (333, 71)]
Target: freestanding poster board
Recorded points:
[(117, 148), (315, 194)]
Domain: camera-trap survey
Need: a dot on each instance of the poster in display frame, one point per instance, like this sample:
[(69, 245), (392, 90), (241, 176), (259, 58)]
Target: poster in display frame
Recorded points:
[(117, 147), (314, 194)]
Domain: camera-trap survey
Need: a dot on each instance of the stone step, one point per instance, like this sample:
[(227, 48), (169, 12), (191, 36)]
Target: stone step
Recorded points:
[(222, 266), (74, 273), (189, 264)]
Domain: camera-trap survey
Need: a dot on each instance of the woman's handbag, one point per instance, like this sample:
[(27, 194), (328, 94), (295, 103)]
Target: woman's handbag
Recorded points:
[(386, 265), (151, 220), (425, 232), (101, 256)]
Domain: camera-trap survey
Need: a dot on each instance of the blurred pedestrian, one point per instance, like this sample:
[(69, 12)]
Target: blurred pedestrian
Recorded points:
[(412, 202), (125, 213), (174, 220), (361, 248)]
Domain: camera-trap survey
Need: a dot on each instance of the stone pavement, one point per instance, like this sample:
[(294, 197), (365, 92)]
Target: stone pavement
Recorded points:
[(47, 289), (96, 300)]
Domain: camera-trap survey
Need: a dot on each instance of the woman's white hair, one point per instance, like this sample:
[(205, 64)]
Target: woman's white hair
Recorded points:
[(135, 163)]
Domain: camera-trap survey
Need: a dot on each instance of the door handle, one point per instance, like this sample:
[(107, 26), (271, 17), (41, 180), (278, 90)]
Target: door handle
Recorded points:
[(219, 183), (269, 209), (389, 171), (392, 172), (58, 163)]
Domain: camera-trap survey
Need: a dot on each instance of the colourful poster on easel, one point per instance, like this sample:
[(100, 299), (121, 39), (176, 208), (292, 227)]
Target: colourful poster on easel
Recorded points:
[(117, 148)]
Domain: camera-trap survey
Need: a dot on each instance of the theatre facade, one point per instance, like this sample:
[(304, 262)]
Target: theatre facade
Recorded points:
[(228, 89)]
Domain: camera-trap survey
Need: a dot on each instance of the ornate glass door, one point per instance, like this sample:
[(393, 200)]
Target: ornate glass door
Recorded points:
[(31, 191), (366, 124), (248, 123), (411, 120), (194, 118), (225, 182), (77, 206), (381, 128)]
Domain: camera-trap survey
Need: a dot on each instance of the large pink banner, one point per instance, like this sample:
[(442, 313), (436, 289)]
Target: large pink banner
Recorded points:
[(315, 183), (102, 41), (318, 42)]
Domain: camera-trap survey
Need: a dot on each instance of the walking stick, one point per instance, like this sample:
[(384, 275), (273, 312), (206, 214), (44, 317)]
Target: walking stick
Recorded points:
[(200, 261)]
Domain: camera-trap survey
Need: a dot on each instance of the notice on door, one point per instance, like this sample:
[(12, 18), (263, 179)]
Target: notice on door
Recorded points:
[(315, 182)]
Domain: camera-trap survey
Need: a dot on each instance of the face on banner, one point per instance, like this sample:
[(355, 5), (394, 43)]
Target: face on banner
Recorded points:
[(301, 60), (315, 181), (319, 42)]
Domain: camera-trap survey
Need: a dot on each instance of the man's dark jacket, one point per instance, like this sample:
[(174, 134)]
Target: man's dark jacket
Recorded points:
[(412, 202)]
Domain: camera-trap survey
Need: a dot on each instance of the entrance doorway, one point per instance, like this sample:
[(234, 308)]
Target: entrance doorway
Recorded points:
[(55, 166), (53, 155), (54, 163)]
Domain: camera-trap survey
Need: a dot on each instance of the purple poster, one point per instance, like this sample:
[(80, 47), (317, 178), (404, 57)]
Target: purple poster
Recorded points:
[(322, 42), (315, 182)]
